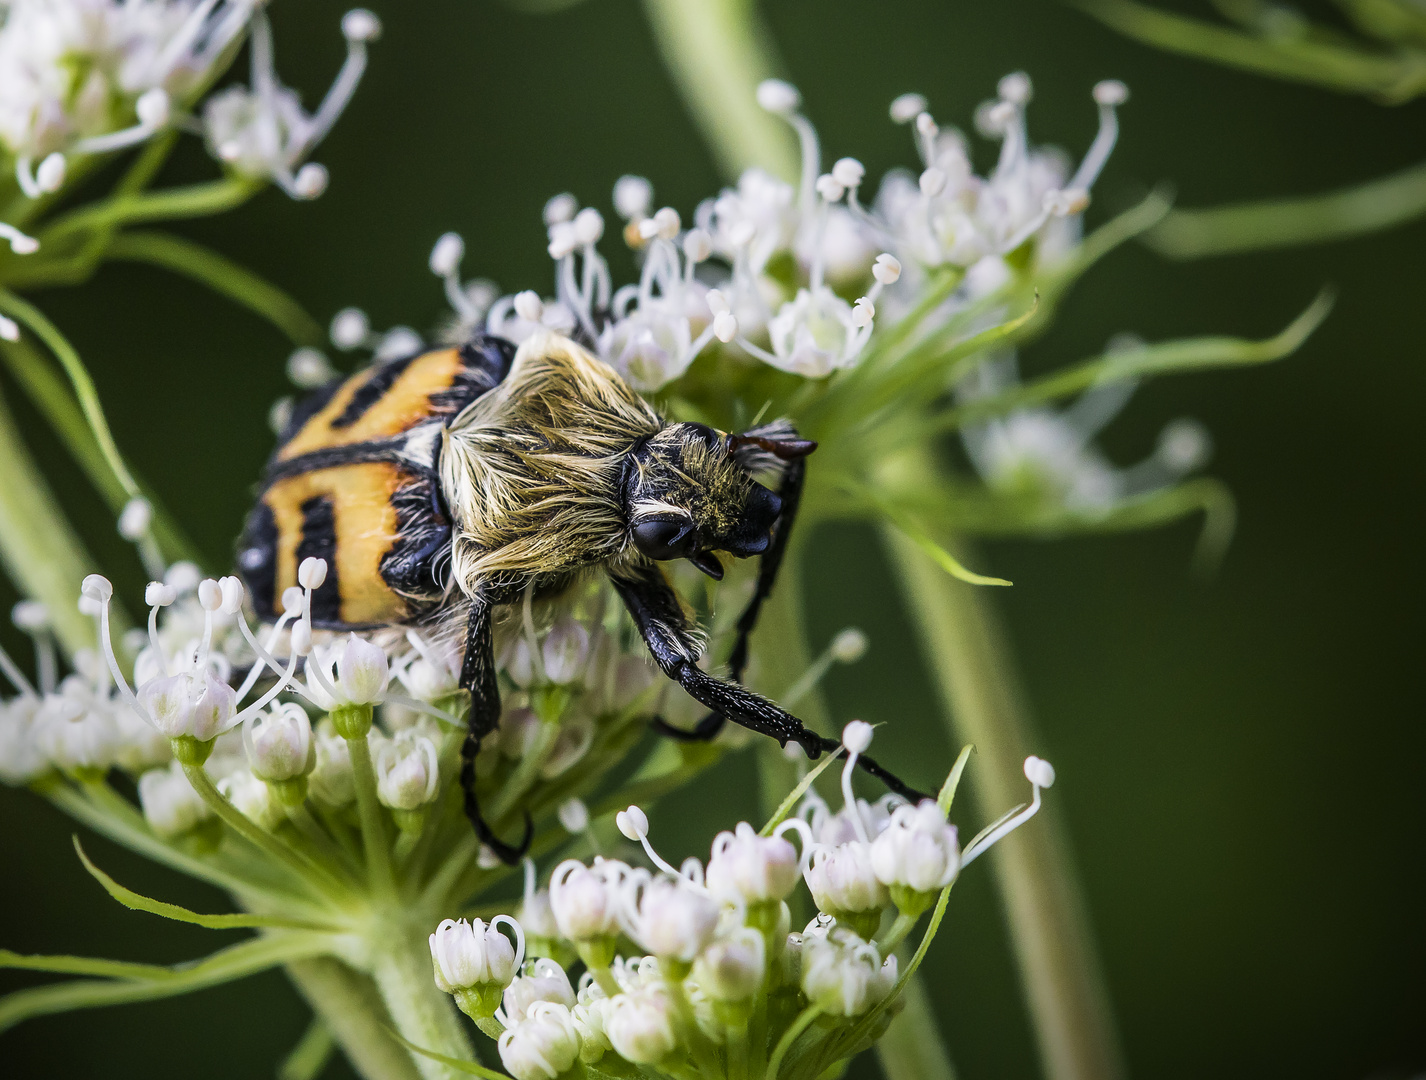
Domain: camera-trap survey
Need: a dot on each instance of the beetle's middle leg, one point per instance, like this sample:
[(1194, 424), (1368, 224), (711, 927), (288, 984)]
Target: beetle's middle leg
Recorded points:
[(477, 675)]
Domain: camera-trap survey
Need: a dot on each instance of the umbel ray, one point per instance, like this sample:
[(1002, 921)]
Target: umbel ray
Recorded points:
[(441, 486)]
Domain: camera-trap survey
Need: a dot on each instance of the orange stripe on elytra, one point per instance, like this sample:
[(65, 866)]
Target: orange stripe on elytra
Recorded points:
[(406, 404), (366, 528)]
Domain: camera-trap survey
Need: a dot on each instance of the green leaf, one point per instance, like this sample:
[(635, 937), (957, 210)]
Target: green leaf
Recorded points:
[(953, 781), (1300, 58), (223, 276), (469, 1067), (137, 902), (145, 982), (1278, 223), (800, 790), (913, 532), (1183, 354)]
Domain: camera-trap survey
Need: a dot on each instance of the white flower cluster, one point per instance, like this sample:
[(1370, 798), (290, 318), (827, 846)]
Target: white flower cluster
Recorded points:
[(568, 668), (90, 77), (766, 267), (719, 968)]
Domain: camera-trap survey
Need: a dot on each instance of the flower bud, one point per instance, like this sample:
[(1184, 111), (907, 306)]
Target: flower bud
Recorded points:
[(253, 798), (746, 868), (474, 962), (362, 671), (917, 852), (279, 743), (844, 975), (640, 1025), (543, 980), (731, 969), (565, 650), (673, 920), (583, 901), (843, 882), (331, 780), (407, 771), (170, 805), (541, 1046)]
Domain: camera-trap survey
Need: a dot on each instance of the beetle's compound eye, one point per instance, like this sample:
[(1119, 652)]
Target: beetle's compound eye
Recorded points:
[(662, 540)]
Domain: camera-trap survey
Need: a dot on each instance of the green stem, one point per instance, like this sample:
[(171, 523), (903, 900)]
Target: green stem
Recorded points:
[(352, 1010), (309, 1058), (401, 969), (804, 1020), (1276, 223), (717, 51), (373, 822), (38, 546), (196, 200), (84, 390), (912, 1047), (1049, 929), (737, 1040), (302, 868)]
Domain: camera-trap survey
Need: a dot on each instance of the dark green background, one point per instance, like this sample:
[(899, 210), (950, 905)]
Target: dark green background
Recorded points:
[(1240, 760)]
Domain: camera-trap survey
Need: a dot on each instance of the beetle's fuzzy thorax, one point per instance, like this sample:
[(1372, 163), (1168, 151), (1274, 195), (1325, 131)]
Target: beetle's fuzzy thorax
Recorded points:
[(532, 470)]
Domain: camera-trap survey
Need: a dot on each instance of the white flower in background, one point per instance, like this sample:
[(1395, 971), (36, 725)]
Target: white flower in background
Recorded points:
[(262, 131), (541, 1045), (918, 853), (75, 726), (475, 962), (93, 76), (351, 672), (170, 805), (1049, 453), (540, 980), (141, 745), (640, 1025), (253, 798), (733, 966), (407, 770), (746, 868), (671, 918), (844, 975), (331, 780), (21, 759), (586, 902), (279, 742)]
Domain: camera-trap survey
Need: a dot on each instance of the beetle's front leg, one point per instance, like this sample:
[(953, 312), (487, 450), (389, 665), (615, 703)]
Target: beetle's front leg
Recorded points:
[(477, 675), (657, 614)]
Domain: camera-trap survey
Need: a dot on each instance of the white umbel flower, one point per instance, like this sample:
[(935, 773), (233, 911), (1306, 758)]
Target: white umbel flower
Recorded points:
[(585, 902), (331, 779), (407, 770), (746, 868), (731, 969), (542, 980), (170, 805), (844, 975), (21, 759), (476, 962), (263, 131), (542, 1045), (671, 919), (279, 742), (640, 1025), (916, 856), (75, 727), (843, 882), (253, 798)]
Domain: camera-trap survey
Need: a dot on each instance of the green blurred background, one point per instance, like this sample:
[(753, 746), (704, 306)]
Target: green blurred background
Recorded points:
[(1240, 759)]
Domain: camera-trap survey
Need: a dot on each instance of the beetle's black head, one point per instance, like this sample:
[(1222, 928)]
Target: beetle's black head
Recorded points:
[(689, 491)]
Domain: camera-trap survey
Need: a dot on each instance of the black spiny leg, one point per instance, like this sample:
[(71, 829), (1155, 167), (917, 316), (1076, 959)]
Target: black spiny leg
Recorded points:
[(477, 675), (656, 613), (790, 492)]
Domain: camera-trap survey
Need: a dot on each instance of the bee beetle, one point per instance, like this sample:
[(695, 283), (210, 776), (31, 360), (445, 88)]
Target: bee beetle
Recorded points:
[(443, 485)]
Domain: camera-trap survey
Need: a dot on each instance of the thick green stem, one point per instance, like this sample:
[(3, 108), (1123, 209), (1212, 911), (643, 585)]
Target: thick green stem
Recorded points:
[(1049, 928), (401, 968), (717, 51), (38, 547), (353, 1012)]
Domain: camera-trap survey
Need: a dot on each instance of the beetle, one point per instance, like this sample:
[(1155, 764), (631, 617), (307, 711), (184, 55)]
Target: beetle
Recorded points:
[(442, 485)]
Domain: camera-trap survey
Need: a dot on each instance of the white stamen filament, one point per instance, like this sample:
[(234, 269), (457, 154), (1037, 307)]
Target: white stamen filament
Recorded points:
[(1040, 775)]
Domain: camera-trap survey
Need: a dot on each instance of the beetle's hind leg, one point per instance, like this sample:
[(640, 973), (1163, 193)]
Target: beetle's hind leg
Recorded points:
[(477, 675), (790, 492), (661, 624)]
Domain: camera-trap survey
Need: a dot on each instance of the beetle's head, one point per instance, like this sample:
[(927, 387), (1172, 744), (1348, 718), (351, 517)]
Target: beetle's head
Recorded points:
[(689, 491)]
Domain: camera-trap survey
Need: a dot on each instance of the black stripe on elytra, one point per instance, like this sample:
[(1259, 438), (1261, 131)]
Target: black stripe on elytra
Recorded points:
[(257, 559), (373, 390), (361, 453), (319, 541)]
